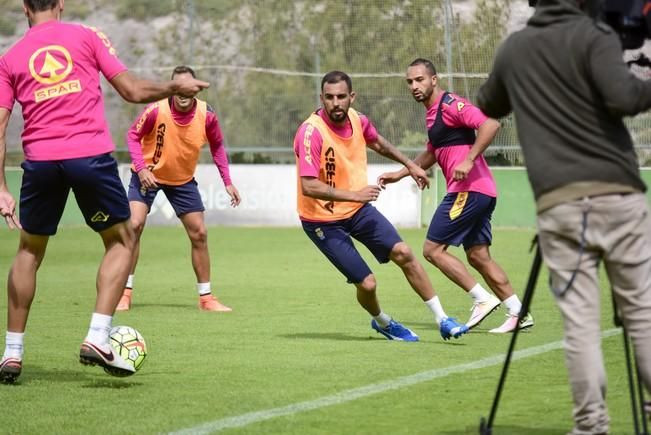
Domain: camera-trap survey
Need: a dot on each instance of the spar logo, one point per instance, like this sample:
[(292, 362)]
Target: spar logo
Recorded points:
[(50, 66)]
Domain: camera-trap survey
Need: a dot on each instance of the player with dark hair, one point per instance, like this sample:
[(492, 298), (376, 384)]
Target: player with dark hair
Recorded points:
[(464, 215), (164, 143), (53, 73), (333, 204)]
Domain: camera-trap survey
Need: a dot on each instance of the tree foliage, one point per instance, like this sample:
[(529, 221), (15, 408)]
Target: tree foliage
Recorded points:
[(372, 41)]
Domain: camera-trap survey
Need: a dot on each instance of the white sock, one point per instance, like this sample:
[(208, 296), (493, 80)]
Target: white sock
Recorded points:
[(513, 304), (435, 306), (203, 288), (382, 319), (14, 345), (479, 293), (129, 283), (100, 326)]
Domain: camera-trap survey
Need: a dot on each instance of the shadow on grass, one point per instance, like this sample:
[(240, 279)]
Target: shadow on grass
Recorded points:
[(339, 336), (89, 378), (158, 305), (506, 430)]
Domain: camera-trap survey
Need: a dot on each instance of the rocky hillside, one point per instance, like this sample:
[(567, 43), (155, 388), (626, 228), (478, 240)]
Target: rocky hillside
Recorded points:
[(150, 46)]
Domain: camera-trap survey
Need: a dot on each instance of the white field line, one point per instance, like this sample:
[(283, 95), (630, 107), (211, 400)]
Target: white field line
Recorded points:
[(369, 390)]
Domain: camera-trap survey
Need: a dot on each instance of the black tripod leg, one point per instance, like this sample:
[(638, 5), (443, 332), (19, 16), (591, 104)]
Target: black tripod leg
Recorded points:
[(641, 402), (486, 427), (634, 381), (640, 391), (631, 383)]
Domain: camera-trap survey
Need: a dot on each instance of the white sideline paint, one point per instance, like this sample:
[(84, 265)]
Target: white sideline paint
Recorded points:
[(369, 390)]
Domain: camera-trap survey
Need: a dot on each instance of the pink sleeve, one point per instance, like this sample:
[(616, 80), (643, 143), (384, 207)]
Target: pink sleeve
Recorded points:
[(7, 96), (369, 130), (217, 148), (307, 146), (105, 54), (139, 129), (462, 113)]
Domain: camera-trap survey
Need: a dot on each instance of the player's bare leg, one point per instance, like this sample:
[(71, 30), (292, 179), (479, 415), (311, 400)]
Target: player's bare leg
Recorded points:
[(139, 212), (115, 266), (480, 259), (21, 285), (382, 322), (402, 255), (366, 295), (195, 227), (483, 302), (111, 276), (198, 234), (451, 266)]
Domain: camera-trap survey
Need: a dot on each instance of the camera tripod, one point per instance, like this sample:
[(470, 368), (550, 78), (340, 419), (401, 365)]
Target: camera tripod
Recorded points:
[(634, 381)]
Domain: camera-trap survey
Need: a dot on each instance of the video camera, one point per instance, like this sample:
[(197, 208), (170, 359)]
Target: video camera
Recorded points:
[(631, 19)]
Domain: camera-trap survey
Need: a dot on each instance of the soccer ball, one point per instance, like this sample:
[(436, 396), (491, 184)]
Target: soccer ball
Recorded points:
[(129, 344)]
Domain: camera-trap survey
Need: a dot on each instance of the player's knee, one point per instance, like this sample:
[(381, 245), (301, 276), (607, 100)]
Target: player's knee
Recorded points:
[(137, 226), (199, 235), (401, 253), (478, 259), (432, 254), (368, 284)]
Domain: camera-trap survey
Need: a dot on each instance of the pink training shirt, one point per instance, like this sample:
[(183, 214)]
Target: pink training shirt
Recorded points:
[(53, 73), (213, 133), (307, 170), (461, 113)]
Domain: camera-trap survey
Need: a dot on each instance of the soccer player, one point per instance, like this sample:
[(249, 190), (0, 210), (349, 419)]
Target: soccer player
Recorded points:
[(464, 215), (164, 143), (53, 73), (333, 204)]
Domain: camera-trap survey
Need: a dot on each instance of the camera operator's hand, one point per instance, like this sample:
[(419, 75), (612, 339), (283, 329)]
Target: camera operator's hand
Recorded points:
[(462, 170)]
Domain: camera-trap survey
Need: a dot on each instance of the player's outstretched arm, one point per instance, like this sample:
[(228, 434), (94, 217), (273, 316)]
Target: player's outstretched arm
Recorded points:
[(7, 201), (315, 188), (485, 135), (388, 150), (425, 160), (136, 90)]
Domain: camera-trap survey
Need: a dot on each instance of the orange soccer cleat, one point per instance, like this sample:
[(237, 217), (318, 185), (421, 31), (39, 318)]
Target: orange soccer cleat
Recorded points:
[(210, 303), (125, 300)]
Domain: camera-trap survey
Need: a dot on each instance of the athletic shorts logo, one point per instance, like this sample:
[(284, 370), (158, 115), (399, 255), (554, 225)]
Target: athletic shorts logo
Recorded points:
[(99, 217), (50, 66), (459, 203), (319, 233)]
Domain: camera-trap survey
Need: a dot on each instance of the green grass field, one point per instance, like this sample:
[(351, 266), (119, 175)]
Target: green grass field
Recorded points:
[(297, 355)]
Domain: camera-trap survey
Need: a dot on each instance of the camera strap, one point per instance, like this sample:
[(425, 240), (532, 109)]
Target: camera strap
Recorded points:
[(582, 243)]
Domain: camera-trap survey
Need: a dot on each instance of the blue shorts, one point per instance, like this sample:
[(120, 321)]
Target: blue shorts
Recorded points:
[(184, 198), (94, 181), (463, 218), (367, 226)]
